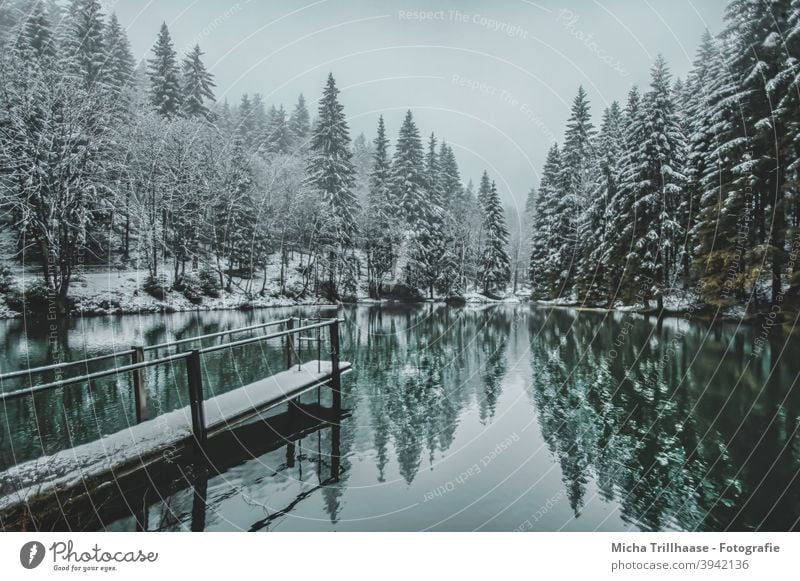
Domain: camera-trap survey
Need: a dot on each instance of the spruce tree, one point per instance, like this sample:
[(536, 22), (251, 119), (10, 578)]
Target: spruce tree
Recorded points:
[(381, 232), (244, 124), (700, 137), (429, 262), (408, 175), (198, 85), (299, 123), (496, 263), (785, 89), (659, 201), (621, 255), (85, 48), (593, 230), (330, 172), (278, 137), (121, 64), (577, 159), (454, 226), (165, 88), (544, 271), (259, 123), (37, 34)]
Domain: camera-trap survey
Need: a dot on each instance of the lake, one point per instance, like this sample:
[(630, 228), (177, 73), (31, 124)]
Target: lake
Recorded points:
[(507, 417)]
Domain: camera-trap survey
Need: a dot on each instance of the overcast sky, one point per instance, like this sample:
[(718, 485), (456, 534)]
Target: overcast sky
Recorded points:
[(495, 79)]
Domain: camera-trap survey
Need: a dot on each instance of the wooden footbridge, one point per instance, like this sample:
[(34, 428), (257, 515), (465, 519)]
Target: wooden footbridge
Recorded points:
[(150, 440)]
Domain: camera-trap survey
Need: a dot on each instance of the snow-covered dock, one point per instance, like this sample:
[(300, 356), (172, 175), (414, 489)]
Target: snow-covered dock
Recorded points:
[(140, 444)]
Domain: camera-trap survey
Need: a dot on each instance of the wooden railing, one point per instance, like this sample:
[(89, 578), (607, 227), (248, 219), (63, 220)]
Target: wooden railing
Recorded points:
[(193, 365)]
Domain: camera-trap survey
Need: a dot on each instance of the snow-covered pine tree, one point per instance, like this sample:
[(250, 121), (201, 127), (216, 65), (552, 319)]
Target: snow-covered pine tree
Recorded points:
[(243, 127), (621, 258), (658, 206), (381, 230), (756, 29), (544, 272), (165, 86), (259, 124), (198, 85), (330, 171), (450, 180), (85, 49), (700, 138), (408, 174), (495, 261), (121, 64), (451, 280), (484, 191), (429, 262), (467, 212), (726, 229), (299, 123), (37, 33), (593, 224), (577, 160), (785, 89), (278, 138)]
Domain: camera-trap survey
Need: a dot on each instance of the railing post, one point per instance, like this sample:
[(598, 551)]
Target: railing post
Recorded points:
[(195, 377), (335, 375), (289, 344), (139, 384)]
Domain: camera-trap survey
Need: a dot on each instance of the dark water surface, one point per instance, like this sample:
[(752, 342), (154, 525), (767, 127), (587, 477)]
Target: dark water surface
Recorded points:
[(500, 418)]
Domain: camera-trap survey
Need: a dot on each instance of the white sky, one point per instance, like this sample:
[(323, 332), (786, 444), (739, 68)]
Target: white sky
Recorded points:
[(499, 93)]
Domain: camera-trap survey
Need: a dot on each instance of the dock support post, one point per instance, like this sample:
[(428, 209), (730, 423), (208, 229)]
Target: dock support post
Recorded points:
[(195, 378), (139, 384), (199, 496), (335, 374), (289, 344)]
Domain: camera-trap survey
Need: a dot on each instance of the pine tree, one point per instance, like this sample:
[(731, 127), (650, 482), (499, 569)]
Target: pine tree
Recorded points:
[(198, 85), (121, 63), (37, 34), (700, 137), (659, 172), (577, 159), (593, 232), (165, 89), (244, 124), (408, 174), (278, 137), (621, 255), (785, 89), (85, 47), (455, 227), (496, 263), (259, 123), (330, 171), (429, 262), (544, 274), (381, 235), (299, 123)]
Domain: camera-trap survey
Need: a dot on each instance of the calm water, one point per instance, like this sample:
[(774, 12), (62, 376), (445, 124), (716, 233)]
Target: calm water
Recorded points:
[(503, 418)]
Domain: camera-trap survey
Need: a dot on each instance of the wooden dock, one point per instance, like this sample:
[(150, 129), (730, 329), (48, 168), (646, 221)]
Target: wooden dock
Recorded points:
[(114, 456)]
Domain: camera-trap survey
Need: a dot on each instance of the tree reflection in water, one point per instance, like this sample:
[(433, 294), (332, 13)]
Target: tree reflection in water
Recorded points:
[(667, 425)]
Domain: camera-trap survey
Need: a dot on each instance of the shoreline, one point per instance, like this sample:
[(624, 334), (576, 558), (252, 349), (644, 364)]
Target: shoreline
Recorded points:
[(138, 303)]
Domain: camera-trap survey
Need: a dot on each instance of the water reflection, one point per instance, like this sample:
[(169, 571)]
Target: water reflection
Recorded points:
[(676, 422), (646, 424)]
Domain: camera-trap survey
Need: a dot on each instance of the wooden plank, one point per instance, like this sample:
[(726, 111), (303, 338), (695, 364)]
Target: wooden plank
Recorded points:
[(151, 438), (270, 392)]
